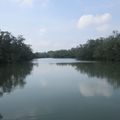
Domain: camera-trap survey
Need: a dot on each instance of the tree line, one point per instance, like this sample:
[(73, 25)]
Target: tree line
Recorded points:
[(13, 49), (103, 49)]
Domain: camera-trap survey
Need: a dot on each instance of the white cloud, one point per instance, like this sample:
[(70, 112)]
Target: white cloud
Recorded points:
[(85, 21), (99, 22)]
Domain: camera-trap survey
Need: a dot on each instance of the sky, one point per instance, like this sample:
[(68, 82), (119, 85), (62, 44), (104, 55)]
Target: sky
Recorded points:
[(59, 24)]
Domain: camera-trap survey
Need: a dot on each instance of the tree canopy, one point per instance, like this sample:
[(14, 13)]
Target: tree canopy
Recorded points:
[(107, 49), (103, 49), (13, 49)]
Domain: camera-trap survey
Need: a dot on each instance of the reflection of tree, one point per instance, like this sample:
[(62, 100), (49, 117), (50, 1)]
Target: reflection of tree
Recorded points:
[(13, 75), (109, 71), (1, 117)]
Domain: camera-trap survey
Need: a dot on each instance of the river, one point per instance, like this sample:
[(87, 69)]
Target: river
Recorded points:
[(60, 89)]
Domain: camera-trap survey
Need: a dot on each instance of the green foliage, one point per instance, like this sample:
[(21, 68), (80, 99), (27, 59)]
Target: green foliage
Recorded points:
[(107, 49), (59, 54), (13, 49), (55, 54), (103, 49), (40, 55)]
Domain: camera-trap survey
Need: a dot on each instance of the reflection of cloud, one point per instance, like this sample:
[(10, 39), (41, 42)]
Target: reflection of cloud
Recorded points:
[(93, 88)]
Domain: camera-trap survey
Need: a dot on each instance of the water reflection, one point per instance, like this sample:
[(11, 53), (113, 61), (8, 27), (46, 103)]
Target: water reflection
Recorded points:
[(101, 79), (76, 91), (95, 87), (1, 117), (108, 71), (13, 75)]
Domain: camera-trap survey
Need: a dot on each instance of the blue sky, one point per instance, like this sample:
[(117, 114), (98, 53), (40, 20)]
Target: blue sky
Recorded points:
[(59, 24)]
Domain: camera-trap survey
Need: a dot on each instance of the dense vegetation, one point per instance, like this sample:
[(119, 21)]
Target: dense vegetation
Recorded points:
[(13, 49), (107, 49), (55, 54)]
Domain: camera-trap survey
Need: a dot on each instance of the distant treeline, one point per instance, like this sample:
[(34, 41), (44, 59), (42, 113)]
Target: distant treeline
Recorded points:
[(106, 49), (13, 49)]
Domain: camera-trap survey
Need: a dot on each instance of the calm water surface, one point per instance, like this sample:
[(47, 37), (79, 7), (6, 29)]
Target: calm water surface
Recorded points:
[(60, 89)]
